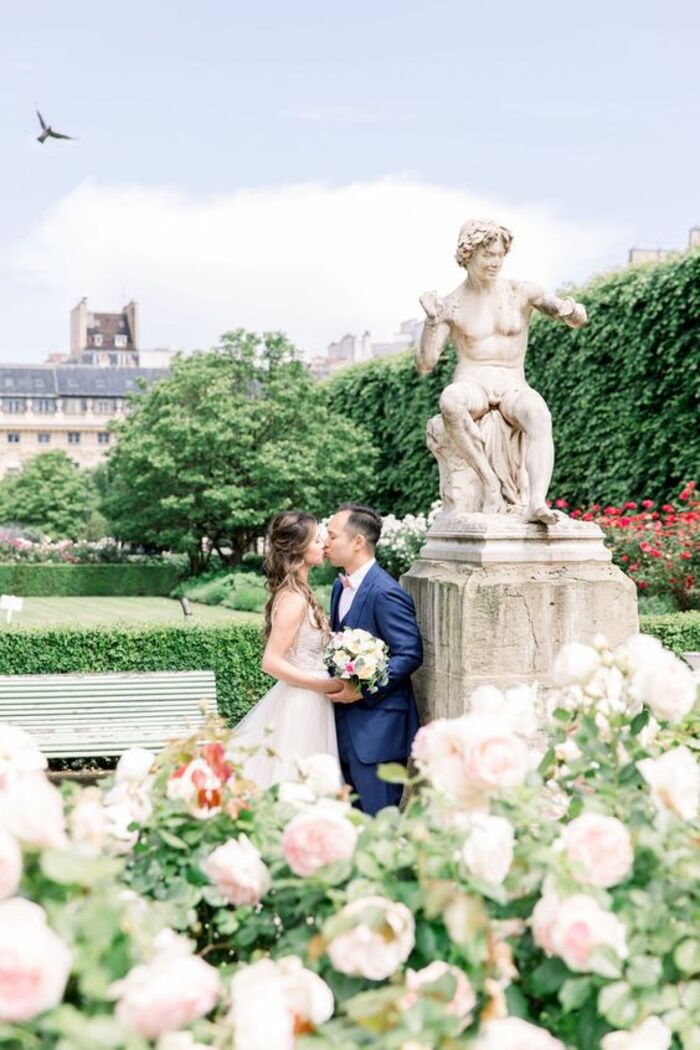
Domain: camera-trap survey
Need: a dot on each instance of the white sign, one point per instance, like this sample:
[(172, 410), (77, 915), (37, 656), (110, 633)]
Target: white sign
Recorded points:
[(11, 604)]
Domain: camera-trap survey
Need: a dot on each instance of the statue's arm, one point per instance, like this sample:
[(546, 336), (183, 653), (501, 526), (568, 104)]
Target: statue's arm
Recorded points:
[(567, 310), (436, 332)]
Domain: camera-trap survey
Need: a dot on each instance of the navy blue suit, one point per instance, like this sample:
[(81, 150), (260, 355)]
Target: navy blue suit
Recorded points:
[(381, 726)]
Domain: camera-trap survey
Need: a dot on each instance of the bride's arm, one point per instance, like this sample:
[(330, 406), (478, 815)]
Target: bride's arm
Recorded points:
[(289, 614)]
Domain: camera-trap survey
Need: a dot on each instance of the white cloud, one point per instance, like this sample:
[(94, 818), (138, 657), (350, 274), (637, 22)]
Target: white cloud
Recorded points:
[(340, 115), (312, 260)]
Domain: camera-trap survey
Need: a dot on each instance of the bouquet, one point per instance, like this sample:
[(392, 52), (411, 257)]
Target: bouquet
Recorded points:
[(358, 657)]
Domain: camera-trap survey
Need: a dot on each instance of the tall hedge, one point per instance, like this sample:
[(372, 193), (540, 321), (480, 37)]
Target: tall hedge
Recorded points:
[(44, 579), (233, 652), (624, 393)]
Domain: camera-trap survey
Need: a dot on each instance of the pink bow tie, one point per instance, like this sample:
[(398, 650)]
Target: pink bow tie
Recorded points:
[(345, 580)]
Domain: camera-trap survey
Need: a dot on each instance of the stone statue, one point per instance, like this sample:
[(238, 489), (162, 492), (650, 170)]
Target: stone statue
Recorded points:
[(493, 439)]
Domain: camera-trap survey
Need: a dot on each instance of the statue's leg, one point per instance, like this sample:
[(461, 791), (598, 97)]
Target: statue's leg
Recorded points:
[(528, 411), (461, 405)]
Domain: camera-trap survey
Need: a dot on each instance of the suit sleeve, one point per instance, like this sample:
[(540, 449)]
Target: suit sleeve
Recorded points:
[(396, 619)]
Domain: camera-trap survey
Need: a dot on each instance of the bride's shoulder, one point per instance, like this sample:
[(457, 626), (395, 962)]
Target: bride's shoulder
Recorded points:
[(289, 606)]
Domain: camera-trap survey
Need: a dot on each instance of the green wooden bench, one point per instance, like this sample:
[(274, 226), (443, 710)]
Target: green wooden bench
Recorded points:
[(85, 715)]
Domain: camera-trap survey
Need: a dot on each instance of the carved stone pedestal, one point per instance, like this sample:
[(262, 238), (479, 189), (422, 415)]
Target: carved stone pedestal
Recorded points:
[(497, 597)]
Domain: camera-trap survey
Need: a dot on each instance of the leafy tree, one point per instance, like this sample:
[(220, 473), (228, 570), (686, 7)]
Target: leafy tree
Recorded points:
[(232, 436), (51, 495)]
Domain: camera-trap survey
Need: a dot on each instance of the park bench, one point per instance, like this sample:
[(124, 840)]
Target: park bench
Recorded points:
[(95, 715)]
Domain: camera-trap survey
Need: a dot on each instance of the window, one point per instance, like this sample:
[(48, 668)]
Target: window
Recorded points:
[(103, 406), (113, 360), (103, 437), (44, 438), (97, 339), (13, 438), (120, 340), (44, 404), (73, 437), (14, 404), (74, 404)]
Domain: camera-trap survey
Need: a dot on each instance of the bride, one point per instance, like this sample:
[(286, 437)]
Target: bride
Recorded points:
[(295, 718)]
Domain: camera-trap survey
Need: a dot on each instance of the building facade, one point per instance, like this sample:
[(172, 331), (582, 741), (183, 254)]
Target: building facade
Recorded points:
[(68, 407), (352, 349), (647, 255)]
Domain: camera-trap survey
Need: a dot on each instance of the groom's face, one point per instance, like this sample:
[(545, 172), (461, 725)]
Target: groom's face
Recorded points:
[(340, 548)]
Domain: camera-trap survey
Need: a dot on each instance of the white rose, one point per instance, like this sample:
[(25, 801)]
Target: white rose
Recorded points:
[(168, 992), (34, 962), (674, 780), (134, 764), (88, 823), (321, 773), (272, 998), (488, 849), (31, 809), (651, 1034), (119, 835), (511, 1033), (515, 707), (10, 864), (463, 998), (180, 1041), (542, 921), (373, 949), (580, 926), (133, 794), (599, 849), (669, 688), (295, 793), (238, 872), (496, 759), (307, 994), (19, 753), (575, 664)]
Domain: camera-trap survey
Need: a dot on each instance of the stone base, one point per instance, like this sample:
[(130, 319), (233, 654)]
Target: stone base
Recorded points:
[(496, 599)]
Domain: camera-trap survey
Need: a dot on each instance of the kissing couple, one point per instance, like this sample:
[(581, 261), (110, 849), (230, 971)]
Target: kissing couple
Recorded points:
[(308, 711)]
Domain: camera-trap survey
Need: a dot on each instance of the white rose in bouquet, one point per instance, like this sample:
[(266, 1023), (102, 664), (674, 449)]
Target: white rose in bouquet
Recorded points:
[(10, 864), (599, 849), (19, 753), (674, 779), (488, 849), (357, 656), (512, 1033), (378, 943), (34, 962), (238, 872), (651, 1034)]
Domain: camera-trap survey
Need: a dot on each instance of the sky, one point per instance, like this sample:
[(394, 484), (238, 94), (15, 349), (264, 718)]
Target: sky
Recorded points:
[(306, 166)]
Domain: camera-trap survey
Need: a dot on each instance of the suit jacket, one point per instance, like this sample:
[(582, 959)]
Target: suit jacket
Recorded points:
[(382, 725)]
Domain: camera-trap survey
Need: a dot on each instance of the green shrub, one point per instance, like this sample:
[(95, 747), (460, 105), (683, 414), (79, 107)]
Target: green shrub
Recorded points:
[(232, 651), (623, 393), (247, 596), (33, 580), (679, 632)]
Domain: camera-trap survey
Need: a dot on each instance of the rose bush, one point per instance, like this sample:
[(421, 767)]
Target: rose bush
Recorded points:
[(518, 901)]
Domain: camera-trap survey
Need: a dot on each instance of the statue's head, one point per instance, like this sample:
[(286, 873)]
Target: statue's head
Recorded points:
[(479, 236)]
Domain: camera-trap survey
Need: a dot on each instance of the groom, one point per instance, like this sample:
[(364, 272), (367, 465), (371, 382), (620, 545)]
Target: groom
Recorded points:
[(372, 727)]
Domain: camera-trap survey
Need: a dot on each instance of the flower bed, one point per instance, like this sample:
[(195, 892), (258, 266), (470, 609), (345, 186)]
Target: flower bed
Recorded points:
[(520, 901)]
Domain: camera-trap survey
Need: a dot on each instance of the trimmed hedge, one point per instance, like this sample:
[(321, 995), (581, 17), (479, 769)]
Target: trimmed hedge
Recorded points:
[(679, 632), (624, 393), (39, 579), (233, 652)]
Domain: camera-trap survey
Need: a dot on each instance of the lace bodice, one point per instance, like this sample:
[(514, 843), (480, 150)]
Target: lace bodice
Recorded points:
[(309, 647)]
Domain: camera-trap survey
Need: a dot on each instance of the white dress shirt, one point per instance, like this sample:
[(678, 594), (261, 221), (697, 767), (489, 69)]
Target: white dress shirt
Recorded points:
[(348, 594)]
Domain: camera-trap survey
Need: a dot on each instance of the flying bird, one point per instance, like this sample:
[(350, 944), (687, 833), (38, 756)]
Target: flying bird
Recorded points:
[(47, 131)]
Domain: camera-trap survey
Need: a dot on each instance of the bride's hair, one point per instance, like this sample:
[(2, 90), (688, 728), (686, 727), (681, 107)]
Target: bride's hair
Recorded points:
[(289, 535)]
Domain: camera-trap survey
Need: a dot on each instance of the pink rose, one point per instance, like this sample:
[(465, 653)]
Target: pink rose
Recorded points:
[(599, 849), (512, 1033), (10, 865), (19, 754), (34, 962), (349, 668), (581, 926), (317, 837), (463, 998), (674, 779), (542, 922), (170, 991), (497, 759), (238, 872), (379, 942), (31, 809)]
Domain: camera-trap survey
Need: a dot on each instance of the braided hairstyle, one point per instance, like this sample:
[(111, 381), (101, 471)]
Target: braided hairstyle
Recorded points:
[(289, 535)]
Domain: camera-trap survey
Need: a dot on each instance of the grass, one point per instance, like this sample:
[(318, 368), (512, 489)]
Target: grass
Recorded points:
[(50, 612)]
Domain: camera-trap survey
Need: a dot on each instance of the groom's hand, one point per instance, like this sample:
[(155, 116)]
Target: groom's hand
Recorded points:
[(347, 695)]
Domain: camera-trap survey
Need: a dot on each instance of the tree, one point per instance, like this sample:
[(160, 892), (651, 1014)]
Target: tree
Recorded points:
[(50, 495), (232, 436)]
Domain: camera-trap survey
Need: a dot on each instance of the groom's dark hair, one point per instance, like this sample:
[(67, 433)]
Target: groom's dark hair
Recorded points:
[(363, 520)]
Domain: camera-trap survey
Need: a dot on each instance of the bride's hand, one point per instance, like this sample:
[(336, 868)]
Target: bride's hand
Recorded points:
[(333, 685)]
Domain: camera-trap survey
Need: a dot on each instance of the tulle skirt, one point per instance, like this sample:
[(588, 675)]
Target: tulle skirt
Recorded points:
[(287, 724)]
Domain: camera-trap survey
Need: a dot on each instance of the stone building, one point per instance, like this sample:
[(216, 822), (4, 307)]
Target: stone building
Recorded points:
[(66, 407), (352, 349), (646, 255)]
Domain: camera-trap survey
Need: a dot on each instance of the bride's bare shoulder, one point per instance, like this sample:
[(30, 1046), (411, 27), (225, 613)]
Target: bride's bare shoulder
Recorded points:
[(289, 608)]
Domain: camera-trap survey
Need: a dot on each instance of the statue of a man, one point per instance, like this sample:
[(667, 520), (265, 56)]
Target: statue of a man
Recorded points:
[(487, 319)]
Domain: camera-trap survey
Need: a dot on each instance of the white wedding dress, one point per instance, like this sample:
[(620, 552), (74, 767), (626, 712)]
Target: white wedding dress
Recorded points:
[(289, 723)]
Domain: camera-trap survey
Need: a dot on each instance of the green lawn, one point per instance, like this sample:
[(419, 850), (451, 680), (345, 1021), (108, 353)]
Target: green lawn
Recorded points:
[(46, 612)]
